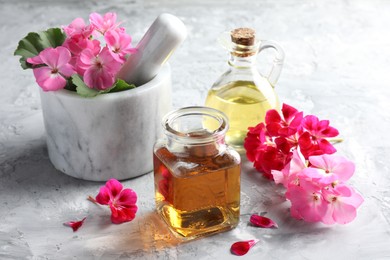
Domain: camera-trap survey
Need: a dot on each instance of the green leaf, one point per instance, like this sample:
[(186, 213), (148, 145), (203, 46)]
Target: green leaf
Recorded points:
[(34, 43), (121, 85), (82, 89)]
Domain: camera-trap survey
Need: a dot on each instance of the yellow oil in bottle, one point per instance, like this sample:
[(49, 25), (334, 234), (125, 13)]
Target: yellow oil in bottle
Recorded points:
[(197, 195), (244, 104)]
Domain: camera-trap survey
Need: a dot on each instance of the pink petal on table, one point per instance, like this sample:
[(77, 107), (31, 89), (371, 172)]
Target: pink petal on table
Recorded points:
[(75, 225), (263, 222), (242, 247)]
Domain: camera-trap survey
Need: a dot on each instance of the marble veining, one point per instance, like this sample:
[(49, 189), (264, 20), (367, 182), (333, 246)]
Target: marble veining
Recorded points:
[(109, 136), (336, 67)]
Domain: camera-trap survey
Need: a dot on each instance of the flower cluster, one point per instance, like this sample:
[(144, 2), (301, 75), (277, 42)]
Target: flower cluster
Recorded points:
[(95, 52), (269, 145), (317, 188), (293, 150)]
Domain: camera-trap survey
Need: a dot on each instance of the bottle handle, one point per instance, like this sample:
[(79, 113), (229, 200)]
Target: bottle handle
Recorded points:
[(277, 62)]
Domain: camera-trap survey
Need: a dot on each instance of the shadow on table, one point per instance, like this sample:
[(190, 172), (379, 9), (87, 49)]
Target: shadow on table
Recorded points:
[(146, 235)]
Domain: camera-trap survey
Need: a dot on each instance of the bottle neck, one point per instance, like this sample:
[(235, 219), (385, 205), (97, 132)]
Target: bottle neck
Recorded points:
[(238, 62)]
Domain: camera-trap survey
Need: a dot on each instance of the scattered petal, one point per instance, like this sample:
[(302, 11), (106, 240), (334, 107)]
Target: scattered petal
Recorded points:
[(242, 247), (75, 225), (263, 222)]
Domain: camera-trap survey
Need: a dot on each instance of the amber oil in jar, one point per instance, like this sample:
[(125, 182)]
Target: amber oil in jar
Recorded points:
[(197, 176)]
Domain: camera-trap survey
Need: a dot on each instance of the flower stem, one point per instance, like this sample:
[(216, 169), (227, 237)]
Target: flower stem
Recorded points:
[(335, 140), (91, 199)]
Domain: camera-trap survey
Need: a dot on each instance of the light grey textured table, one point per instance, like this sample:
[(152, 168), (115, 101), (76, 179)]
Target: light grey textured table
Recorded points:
[(337, 67)]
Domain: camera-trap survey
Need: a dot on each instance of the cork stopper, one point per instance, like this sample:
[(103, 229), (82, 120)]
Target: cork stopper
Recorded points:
[(245, 40), (243, 36)]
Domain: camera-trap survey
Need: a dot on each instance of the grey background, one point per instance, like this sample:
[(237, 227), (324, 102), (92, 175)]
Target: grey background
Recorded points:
[(337, 67)]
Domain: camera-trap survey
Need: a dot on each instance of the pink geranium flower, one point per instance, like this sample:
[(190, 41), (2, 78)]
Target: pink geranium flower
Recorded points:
[(78, 27), (56, 68), (98, 69), (122, 202), (343, 203), (119, 43), (307, 202), (103, 23), (329, 168)]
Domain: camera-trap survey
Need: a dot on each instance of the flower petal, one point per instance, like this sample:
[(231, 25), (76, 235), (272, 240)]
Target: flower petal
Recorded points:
[(114, 186), (63, 56), (288, 112), (75, 225), (47, 80), (272, 116), (35, 60), (127, 197), (50, 56), (326, 146), (67, 70), (104, 196), (98, 78), (242, 247), (263, 222), (120, 215)]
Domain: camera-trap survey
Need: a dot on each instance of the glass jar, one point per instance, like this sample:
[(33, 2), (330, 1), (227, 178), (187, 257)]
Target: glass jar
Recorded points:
[(196, 175), (242, 93)]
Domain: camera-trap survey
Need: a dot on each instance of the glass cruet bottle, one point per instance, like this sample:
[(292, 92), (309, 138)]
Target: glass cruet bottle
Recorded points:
[(242, 93), (196, 175)]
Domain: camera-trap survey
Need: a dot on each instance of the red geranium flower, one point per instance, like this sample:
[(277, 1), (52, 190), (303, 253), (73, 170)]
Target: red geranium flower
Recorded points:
[(122, 202), (286, 124), (313, 139), (270, 145)]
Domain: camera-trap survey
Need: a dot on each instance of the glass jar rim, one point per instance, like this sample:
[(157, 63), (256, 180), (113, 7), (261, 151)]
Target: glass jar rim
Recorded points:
[(184, 137)]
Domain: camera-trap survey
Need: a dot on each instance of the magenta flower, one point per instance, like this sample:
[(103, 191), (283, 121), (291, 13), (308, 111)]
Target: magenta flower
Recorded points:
[(122, 202), (329, 168), (52, 76), (105, 23), (119, 43), (343, 203), (313, 139), (98, 69)]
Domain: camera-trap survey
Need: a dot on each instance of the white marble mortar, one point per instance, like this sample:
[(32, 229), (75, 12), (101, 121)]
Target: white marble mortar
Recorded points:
[(108, 136)]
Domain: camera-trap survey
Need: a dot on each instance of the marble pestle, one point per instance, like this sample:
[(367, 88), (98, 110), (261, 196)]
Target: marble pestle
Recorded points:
[(161, 39)]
